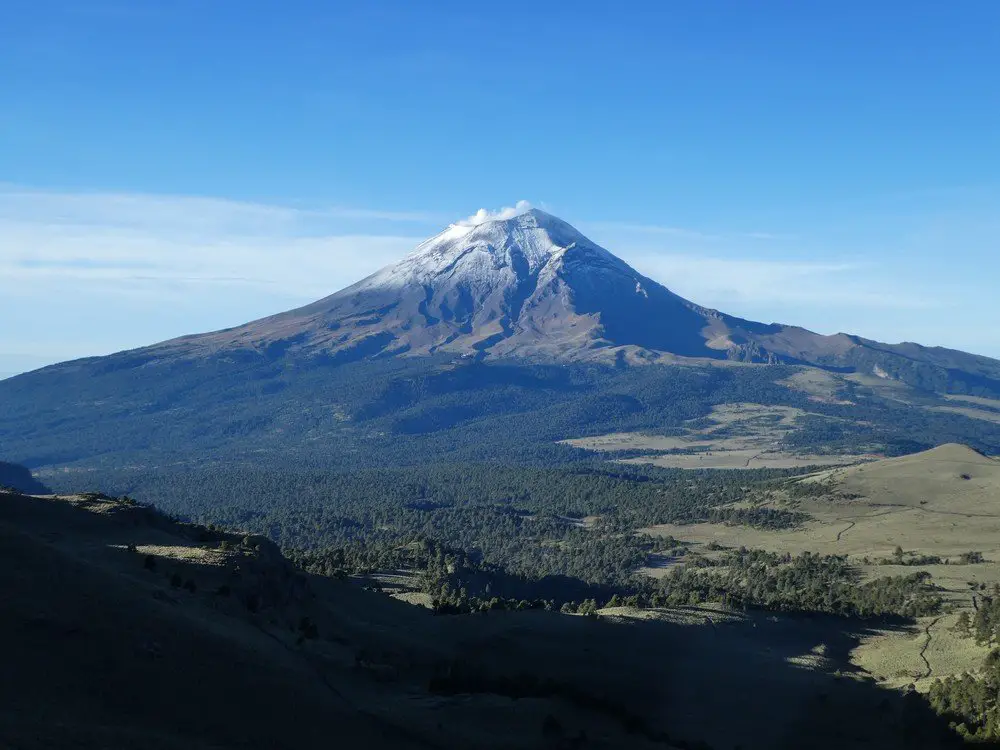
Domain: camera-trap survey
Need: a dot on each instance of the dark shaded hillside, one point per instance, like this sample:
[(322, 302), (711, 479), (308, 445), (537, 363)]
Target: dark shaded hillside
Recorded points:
[(127, 630), (97, 659), (21, 479)]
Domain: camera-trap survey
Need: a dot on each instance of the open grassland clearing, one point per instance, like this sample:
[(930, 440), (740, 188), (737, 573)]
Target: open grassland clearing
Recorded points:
[(888, 388), (936, 511), (985, 409), (989, 403), (917, 656), (732, 436), (973, 407), (821, 386), (742, 459)]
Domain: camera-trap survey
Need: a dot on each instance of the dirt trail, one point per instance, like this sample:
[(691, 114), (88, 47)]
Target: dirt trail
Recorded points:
[(843, 531), (956, 513), (852, 524), (922, 509), (927, 643)]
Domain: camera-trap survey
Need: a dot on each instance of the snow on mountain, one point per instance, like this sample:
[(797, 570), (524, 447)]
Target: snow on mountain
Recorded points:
[(528, 284), (525, 283), (486, 253)]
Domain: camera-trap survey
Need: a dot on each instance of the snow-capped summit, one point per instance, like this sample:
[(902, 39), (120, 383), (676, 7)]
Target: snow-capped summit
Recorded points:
[(527, 284), (486, 252), (522, 283)]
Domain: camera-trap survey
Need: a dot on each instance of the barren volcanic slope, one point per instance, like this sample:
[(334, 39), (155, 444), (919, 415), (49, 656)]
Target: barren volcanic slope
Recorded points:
[(533, 286)]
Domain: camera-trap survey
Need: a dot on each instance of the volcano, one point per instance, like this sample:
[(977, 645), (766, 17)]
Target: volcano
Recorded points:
[(517, 315), (534, 287)]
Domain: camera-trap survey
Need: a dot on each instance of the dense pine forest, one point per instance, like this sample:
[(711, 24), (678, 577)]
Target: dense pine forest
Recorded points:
[(265, 411), (486, 536)]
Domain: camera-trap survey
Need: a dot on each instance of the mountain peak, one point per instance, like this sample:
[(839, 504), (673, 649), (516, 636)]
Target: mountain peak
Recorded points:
[(535, 217), (486, 252), (493, 227), (521, 282)]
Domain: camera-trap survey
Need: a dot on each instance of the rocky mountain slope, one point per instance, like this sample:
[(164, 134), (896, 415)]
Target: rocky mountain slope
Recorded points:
[(532, 286)]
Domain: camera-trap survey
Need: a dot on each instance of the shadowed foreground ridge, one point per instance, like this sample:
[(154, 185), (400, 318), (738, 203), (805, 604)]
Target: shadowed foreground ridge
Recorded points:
[(127, 629)]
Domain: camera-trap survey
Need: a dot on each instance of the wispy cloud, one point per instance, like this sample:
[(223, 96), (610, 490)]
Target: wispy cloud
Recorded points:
[(184, 213), (730, 284), (33, 255), (121, 243), (684, 233), (106, 271), (650, 229), (758, 272), (105, 238)]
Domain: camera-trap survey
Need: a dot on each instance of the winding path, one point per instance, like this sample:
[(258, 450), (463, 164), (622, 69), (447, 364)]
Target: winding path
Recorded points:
[(927, 643), (849, 526), (922, 509)]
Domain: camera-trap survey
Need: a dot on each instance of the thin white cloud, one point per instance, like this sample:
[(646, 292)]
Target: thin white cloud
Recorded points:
[(112, 239), (119, 243), (683, 233), (180, 213), (32, 255), (730, 284), (766, 236), (101, 272), (651, 229), (342, 212)]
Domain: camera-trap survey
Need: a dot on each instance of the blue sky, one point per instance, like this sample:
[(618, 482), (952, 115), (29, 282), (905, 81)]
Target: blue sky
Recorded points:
[(176, 166)]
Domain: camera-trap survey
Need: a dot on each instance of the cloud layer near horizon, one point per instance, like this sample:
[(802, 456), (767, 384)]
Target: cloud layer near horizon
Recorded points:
[(112, 241), (127, 243), (106, 271)]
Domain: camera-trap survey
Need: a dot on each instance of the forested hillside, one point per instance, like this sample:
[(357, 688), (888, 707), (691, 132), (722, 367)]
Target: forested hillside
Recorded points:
[(130, 410)]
